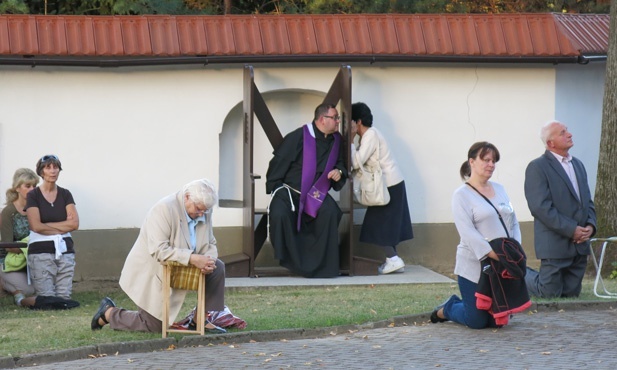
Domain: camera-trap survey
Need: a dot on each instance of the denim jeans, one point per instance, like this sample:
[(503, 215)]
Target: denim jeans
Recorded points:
[(464, 311)]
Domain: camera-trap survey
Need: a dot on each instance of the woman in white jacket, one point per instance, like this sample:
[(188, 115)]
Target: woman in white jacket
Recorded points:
[(385, 226)]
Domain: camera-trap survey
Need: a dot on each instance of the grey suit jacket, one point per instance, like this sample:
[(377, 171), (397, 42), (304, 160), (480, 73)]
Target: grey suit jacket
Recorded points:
[(556, 209)]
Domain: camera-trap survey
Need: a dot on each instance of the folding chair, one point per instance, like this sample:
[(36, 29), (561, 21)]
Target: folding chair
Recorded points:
[(179, 276), (598, 266)]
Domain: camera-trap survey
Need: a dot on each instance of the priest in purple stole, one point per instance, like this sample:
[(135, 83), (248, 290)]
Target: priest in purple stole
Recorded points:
[(303, 218)]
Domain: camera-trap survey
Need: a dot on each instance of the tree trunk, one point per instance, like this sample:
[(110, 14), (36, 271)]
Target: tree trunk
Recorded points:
[(227, 6), (605, 198), (606, 185)]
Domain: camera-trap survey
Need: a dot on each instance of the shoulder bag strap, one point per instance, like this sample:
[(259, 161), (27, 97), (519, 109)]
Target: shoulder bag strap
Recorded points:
[(489, 202)]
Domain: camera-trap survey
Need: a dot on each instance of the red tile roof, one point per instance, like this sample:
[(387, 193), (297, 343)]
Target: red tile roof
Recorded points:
[(136, 40)]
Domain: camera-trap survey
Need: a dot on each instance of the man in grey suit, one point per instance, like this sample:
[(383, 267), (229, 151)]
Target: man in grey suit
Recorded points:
[(560, 201)]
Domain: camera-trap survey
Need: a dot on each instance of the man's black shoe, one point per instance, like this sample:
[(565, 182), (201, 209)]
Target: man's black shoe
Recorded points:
[(106, 303)]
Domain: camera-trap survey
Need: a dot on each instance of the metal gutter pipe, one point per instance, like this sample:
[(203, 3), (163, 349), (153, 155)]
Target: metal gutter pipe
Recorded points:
[(585, 59), (251, 59)]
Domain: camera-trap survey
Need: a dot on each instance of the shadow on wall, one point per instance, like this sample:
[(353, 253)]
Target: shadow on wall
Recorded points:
[(290, 108)]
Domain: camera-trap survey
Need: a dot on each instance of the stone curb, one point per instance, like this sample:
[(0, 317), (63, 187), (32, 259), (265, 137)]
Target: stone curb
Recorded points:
[(110, 349), (55, 356)]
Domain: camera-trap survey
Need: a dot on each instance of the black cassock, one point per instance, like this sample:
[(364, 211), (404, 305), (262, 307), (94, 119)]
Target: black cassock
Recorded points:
[(314, 250)]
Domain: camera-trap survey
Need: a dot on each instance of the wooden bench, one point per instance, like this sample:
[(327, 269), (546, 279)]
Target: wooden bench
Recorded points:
[(239, 264)]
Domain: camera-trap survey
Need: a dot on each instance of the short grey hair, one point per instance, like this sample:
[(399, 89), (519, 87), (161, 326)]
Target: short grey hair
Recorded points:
[(545, 131), (322, 110), (202, 191)]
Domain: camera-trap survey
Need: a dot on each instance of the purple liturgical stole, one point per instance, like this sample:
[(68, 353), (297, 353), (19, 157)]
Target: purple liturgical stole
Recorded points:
[(313, 195)]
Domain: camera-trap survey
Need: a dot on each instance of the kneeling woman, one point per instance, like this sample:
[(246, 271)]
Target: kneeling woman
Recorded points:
[(476, 222)]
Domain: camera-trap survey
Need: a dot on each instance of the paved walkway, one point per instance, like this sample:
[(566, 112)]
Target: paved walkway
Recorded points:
[(580, 338)]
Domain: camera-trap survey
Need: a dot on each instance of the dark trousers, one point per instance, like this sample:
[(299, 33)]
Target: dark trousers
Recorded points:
[(558, 277)]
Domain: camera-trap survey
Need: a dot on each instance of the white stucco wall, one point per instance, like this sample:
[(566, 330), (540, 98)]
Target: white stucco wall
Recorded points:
[(128, 136), (580, 92)]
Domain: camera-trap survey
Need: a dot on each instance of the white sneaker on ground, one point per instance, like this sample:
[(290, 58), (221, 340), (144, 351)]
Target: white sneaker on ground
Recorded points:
[(393, 264)]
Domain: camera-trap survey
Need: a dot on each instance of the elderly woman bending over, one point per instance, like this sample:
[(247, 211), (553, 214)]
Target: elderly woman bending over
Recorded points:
[(177, 228)]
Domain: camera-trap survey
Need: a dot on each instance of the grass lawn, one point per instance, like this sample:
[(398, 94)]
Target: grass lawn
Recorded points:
[(24, 331)]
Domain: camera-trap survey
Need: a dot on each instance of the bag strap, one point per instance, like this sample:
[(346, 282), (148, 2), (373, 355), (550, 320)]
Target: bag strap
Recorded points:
[(491, 203)]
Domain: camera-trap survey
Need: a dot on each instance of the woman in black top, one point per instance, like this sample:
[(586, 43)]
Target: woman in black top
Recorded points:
[(52, 216)]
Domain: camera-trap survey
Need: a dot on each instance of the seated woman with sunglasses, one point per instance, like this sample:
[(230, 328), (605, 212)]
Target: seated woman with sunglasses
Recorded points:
[(14, 228), (52, 216)]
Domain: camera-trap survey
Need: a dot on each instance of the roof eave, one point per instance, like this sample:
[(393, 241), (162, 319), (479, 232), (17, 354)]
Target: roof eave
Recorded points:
[(107, 62)]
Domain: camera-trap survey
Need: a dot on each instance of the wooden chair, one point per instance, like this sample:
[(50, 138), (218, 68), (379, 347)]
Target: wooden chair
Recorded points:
[(179, 276)]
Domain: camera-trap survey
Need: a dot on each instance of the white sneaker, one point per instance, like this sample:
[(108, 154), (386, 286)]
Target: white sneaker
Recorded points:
[(393, 264)]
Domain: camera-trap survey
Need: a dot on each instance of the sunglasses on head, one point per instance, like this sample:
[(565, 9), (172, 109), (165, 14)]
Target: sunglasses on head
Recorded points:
[(46, 158)]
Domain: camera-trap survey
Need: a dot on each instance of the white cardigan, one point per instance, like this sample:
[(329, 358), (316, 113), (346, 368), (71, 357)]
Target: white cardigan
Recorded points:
[(366, 154)]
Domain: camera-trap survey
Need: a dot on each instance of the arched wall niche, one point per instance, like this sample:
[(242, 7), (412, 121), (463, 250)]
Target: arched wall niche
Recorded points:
[(290, 108)]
